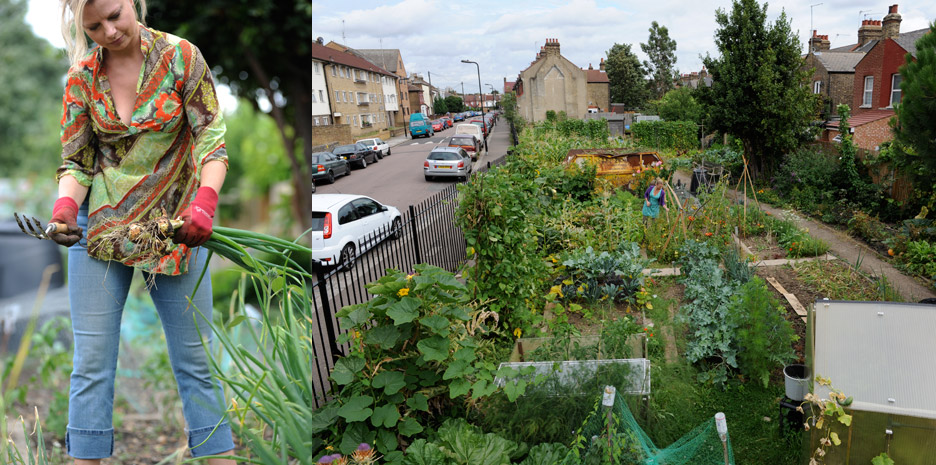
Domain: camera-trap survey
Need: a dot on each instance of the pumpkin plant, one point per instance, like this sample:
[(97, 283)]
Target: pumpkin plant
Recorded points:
[(417, 346)]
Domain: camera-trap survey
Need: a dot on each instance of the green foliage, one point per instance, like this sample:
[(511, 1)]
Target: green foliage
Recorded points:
[(417, 343), (757, 83), (626, 75), (853, 185), (806, 170), (679, 135), (679, 105), (454, 104), (867, 227), (662, 65), (31, 96), (882, 459), (920, 258), (440, 106), (458, 443), (915, 134), (593, 277), (763, 335), (509, 104), (497, 217)]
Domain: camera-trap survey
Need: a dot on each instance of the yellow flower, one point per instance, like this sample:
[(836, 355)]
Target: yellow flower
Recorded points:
[(403, 292), (357, 334), (649, 306), (409, 276), (518, 332)]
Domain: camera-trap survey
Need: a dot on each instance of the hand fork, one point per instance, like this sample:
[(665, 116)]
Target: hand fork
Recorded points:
[(35, 228)]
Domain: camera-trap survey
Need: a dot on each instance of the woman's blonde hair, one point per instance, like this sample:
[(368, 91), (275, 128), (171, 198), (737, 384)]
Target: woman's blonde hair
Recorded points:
[(76, 43)]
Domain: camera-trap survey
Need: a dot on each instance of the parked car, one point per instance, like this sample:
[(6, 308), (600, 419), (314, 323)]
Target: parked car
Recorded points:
[(480, 124), (344, 226), (325, 165), (469, 142), (376, 144), (472, 129), (420, 126), (356, 154), (458, 117), (447, 162), (447, 121), (438, 125)]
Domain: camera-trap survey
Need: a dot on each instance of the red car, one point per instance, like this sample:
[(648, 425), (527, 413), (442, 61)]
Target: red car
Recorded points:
[(447, 121), (438, 125), (470, 143)]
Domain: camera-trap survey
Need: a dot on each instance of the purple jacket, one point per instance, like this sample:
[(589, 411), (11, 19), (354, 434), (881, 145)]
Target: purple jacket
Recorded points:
[(662, 195)]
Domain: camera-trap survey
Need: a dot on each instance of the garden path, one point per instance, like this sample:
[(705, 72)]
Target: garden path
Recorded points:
[(846, 248)]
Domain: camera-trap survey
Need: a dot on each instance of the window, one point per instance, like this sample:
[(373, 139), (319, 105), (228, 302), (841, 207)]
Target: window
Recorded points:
[(325, 121), (315, 120), (346, 214), (868, 91), (316, 68), (895, 89), (321, 96), (313, 97), (337, 97), (365, 207), (334, 71), (817, 87)]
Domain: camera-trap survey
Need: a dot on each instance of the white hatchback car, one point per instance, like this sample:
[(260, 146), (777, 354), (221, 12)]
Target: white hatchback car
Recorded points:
[(376, 144), (345, 226)]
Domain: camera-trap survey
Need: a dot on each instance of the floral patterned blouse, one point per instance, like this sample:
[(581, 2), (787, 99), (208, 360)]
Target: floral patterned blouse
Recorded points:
[(135, 172)]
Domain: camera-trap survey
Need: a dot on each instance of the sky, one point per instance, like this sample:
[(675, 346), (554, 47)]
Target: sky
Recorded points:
[(504, 36)]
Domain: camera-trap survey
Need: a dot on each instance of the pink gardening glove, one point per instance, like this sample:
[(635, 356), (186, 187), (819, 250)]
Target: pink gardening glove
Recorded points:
[(198, 218), (65, 211)]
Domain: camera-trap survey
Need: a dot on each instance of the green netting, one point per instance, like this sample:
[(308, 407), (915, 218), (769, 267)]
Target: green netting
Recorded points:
[(612, 436)]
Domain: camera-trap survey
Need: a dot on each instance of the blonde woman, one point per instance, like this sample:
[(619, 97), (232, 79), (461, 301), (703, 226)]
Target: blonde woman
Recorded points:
[(141, 134), (654, 198)]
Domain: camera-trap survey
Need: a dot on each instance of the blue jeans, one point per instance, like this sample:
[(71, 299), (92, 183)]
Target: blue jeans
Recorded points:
[(98, 291)]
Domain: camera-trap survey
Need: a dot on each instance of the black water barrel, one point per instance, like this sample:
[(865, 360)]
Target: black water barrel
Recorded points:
[(23, 259)]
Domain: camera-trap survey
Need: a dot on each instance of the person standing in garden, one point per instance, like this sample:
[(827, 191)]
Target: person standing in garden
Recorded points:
[(142, 136), (654, 198)]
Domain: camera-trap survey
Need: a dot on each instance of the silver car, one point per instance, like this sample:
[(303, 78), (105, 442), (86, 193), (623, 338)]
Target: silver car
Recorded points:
[(447, 162)]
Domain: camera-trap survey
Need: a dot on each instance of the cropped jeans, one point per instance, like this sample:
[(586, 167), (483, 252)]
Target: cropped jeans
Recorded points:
[(98, 291)]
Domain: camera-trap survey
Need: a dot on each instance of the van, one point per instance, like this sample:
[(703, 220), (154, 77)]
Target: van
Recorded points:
[(420, 126), (472, 129)]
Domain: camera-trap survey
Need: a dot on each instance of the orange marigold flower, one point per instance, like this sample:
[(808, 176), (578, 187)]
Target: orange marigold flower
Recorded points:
[(403, 292), (708, 234)]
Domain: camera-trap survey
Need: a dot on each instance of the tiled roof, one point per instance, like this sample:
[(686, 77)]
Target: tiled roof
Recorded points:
[(855, 48), (596, 75), (864, 118), (839, 61), (386, 58), (908, 40), (331, 55)]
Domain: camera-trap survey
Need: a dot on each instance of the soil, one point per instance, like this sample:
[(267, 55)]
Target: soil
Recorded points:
[(806, 295), (765, 248)]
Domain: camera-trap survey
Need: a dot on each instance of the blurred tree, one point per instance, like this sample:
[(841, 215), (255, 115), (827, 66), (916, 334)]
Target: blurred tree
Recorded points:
[(759, 92), (32, 74), (455, 104), (915, 125), (262, 50), (679, 105), (626, 75), (662, 65), (439, 106)]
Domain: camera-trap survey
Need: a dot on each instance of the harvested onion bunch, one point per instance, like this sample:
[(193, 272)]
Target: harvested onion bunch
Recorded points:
[(155, 237)]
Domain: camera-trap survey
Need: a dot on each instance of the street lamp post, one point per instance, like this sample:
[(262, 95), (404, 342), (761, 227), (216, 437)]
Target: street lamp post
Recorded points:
[(480, 93)]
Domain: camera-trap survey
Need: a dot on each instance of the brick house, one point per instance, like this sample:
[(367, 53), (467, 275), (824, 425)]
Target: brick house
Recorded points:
[(421, 95), (598, 88), (876, 83), (356, 90), (833, 72)]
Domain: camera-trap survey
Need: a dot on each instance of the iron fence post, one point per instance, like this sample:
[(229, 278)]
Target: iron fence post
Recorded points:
[(327, 312), (412, 212)]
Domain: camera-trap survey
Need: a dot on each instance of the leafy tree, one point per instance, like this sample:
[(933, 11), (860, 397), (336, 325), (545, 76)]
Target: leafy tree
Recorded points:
[(914, 128), (455, 104), (262, 50), (31, 71), (661, 67), (759, 92), (626, 76), (439, 106), (680, 105)]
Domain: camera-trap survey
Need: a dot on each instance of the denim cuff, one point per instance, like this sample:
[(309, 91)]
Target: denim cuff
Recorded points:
[(89, 443), (210, 440)]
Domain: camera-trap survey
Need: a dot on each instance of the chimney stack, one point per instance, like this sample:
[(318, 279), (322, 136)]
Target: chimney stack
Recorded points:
[(869, 30), (819, 43), (892, 23), (552, 47), (601, 65)]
